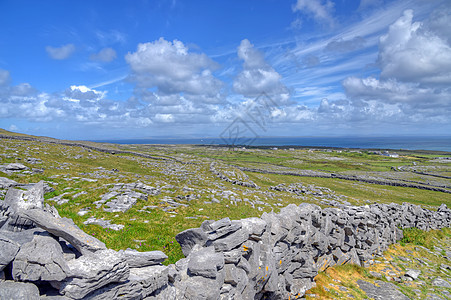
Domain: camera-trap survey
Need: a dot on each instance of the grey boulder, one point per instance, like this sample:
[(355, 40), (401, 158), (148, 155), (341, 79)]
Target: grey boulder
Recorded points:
[(40, 259), (189, 238), (205, 262), (20, 200), (8, 251), (10, 290)]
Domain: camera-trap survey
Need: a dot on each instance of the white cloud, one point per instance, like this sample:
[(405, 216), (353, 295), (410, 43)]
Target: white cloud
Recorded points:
[(104, 55), (175, 72), (164, 118), (320, 10), (409, 52), (172, 68), (391, 91), (82, 93), (257, 75), (60, 53), (414, 84), (13, 128)]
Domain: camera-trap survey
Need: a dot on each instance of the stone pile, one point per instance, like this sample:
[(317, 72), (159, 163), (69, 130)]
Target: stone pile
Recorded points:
[(44, 256), (277, 256)]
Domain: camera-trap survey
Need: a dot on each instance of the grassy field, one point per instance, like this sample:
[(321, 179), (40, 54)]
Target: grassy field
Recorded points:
[(185, 177)]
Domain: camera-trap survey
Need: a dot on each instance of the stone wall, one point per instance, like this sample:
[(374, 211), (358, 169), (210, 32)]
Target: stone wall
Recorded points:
[(277, 256)]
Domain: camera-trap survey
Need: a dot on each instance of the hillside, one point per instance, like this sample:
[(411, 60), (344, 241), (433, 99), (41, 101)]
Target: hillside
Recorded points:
[(142, 196)]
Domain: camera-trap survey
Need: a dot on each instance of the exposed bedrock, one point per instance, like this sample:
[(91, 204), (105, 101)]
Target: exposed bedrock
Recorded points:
[(276, 256)]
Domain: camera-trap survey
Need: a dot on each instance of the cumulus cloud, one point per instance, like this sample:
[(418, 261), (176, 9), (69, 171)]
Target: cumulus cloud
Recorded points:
[(104, 55), (171, 68), (60, 53), (25, 102), (341, 45), (410, 52), (257, 75), (414, 83), (83, 95), (320, 10), (392, 91)]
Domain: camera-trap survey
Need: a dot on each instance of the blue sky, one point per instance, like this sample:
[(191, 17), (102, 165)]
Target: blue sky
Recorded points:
[(141, 69)]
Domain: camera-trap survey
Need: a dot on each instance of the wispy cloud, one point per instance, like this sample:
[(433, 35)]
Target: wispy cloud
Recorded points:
[(60, 53)]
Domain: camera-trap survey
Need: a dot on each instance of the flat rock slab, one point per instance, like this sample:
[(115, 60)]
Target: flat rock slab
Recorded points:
[(381, 290), (93, 271), (65, 228), (150, 278), (441, 283), (6, 183), (103, 223), (11, 290), (136, 259)]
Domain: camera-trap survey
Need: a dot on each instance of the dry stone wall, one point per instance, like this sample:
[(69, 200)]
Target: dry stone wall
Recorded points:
[(277, 256)]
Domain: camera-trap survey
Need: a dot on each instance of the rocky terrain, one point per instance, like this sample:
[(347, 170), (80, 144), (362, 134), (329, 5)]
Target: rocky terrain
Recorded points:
[(277, 256), (149, 198)]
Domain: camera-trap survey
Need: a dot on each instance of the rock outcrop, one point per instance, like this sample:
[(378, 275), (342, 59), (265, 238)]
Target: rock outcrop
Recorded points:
[(276, 256)]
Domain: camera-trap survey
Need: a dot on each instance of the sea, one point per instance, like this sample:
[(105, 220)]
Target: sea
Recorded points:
[(394, 143)]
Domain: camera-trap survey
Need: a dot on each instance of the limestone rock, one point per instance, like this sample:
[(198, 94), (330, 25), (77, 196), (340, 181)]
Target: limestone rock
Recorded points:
[(6, 183), (231, 241), (381, 291), (40, 260), (20, 200), (191, 237), (8, 251), (440, 282), (65, 228), (413, 274), (10, 290), (205, 262), (136, 259), (150, 278), (93, 271)]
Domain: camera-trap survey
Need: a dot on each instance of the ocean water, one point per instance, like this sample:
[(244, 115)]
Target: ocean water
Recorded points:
[(395, 143)]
